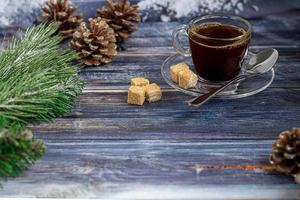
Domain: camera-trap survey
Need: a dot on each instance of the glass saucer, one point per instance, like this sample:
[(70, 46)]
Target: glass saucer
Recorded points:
[(247, 87)]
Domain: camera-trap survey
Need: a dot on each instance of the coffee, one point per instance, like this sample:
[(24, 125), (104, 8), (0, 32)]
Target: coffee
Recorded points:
[(217, 50)]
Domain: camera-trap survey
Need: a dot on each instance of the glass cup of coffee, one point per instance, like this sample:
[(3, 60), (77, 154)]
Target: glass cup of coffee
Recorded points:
[(217, 44)]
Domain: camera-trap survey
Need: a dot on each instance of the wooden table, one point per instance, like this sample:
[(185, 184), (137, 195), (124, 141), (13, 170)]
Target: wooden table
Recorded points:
[(108, 149)]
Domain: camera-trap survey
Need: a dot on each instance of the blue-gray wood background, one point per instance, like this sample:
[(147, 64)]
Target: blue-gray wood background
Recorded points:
[(25, 12), (107, 149)]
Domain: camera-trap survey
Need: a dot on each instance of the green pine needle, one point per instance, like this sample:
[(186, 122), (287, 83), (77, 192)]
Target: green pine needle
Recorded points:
[(38, 80), (18, 149)]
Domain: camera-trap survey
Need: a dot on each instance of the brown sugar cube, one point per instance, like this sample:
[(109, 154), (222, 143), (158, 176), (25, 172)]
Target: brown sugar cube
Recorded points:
[(187, 79), (175, 69), (136, 95), (153, 92), (139, 81)]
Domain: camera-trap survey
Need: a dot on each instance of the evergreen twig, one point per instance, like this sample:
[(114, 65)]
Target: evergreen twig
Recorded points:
[(38, 81), (18, 149)]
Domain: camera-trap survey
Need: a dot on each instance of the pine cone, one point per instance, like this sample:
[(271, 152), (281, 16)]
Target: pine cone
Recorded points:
[(120, 16), (60, 11), (97, 44), (286, 153)]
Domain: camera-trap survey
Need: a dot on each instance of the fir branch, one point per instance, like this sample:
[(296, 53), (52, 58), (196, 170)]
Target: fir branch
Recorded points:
[(38, 81), (18, 149)]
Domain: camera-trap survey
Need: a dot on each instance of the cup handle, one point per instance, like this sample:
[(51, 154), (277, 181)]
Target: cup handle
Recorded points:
[(177, 44)]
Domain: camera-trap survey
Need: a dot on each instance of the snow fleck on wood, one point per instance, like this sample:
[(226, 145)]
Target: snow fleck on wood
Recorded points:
[(11, 9)]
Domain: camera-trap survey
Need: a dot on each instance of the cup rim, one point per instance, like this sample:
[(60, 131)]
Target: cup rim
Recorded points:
[(247, 33)]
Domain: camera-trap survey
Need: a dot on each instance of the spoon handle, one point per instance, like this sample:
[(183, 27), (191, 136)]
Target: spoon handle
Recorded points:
[(197, 101)]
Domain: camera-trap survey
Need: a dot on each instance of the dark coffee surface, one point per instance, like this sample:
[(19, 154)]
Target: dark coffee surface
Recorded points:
[(218, 59), (218, 30)]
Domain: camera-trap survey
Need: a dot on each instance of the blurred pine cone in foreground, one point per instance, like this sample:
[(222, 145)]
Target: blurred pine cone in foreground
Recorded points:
[(286, 153)]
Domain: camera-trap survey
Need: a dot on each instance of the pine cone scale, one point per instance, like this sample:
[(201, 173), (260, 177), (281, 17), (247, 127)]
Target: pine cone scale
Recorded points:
[(93, 47), (289, 156), (76, 44), (277, 157), (91, 61), (287, 168), (75, 19), (85, 53), (298, 162)]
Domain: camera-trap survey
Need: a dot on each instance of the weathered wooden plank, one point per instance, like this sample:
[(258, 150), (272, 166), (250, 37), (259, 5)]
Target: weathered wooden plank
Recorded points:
[(271, 39), (106, 115), (103, 166), (154, 161), (275, 29), (117, 75), (158, 163)]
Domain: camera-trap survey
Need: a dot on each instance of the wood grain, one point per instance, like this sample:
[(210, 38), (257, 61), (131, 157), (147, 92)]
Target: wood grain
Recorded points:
[(107, 149)]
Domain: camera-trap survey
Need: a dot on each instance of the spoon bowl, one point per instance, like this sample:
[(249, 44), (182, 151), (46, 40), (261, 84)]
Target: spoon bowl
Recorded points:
[(263, 61)]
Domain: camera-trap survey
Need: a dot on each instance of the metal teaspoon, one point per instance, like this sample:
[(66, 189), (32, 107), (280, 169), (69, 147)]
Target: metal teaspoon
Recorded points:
[(259, 63)]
